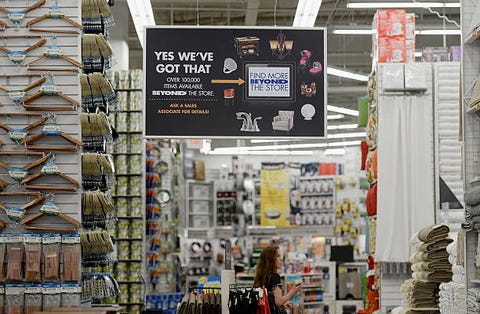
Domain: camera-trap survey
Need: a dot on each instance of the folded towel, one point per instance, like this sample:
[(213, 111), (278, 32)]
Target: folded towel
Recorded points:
[(458, 269), (472, 211), (414, 240), (452, 260), (432, 266), (433, 233), (434, 246), (436, 276), (452, 248), (472, 196), (435, 256)]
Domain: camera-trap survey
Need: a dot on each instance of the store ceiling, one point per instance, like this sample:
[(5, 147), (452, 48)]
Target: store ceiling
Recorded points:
[(351, 52)]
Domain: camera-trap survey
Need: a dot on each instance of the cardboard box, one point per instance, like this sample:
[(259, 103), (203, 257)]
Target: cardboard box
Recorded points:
[(391, 50), (391, 23)]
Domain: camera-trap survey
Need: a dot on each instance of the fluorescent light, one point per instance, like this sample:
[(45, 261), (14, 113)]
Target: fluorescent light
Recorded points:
[(418, 54), (342, 110), (285, 146), (438, 32), (346, 135), (268, 141), (335, 151), (347, 74), (335, 116), (142, 15), (353, 31), (394, 5), (263, 152), (342, 126), (306, 14)]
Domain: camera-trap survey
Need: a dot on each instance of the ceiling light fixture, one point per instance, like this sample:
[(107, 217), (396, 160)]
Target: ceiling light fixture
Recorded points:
[(438, 32), (142, 15), (306, 14), (353, 31), (342, 126), (263, 152), (347, 74), (335, 151), (287, 146), (335, 116), (342, 110), (395, 5)]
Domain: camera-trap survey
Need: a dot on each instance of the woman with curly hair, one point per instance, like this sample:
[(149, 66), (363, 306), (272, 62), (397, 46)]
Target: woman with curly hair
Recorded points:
[(266, 274)]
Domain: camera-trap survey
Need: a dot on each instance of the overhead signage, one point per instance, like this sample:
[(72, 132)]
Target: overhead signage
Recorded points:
[(218, 82)]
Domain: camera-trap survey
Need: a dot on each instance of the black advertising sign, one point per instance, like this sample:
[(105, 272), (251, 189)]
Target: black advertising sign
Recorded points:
[(205, 82)]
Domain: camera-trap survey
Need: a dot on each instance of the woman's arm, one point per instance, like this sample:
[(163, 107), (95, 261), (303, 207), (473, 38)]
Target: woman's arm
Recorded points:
[(281, 299)]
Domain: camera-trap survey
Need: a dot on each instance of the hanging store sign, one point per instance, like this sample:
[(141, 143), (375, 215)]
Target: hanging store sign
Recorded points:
[(206, 82)]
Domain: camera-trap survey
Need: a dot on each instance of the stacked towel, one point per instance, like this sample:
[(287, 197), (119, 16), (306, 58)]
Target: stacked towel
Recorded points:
[(472, 212), (473, 300), (430, 267), (453, 294), (420, 294)]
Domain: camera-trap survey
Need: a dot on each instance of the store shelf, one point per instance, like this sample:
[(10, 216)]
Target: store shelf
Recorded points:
[(311, 230), (129, 217), (129, 154), (127, 282), (125, 196), (128, 174), (128, 239), (477, 281), (128, 89), (316, 194), (130, 260)]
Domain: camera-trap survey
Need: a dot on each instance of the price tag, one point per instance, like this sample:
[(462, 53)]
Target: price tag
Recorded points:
[(50, 89), (50, 168), (51, 129), (17, 173), (16, 95), (14, 213), (49, 208), (16, 16), (17, 135), (16, 56), (53, 52)]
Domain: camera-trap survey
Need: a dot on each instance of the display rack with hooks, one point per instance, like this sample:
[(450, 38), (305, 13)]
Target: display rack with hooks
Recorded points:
[(129, 196)]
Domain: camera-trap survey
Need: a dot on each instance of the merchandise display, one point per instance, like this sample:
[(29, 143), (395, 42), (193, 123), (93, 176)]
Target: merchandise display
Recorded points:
[(97, 210)]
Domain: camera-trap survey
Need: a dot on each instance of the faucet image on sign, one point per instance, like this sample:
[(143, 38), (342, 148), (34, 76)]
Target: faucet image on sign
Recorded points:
[(248, 125)]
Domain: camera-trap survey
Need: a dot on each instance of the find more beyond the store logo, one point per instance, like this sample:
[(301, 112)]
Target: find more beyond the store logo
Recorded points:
[(246, 82)]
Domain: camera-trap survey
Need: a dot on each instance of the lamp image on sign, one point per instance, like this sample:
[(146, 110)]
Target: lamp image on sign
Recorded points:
[(234, 82)]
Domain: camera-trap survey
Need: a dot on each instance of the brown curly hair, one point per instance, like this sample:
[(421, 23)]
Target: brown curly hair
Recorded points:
[(265, 265)]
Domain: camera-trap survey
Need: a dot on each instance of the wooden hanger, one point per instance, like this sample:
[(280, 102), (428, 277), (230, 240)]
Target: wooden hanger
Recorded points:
[(53, 51), (17, 95), (50, 169), (49, 88), (18, 15), (19, 134), (20, 211), (52, 129), (17, 56), (54, 12), (25, 168), (50, 209)]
